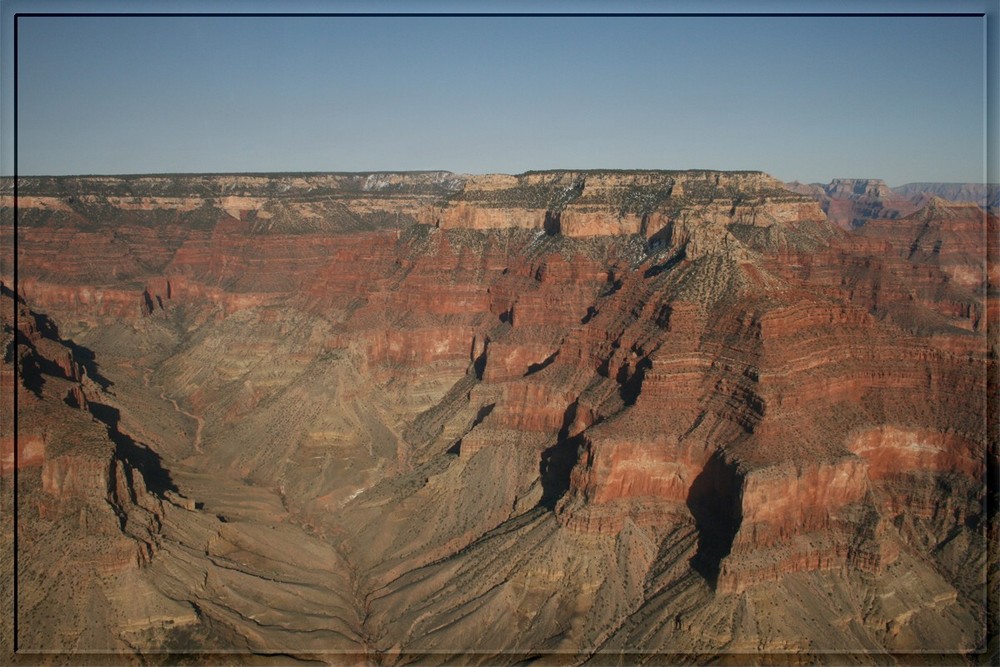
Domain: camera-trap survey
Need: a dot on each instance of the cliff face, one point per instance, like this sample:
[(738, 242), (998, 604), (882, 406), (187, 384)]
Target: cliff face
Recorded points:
[(851, 202), (686, 387), (591, 204), (87, 517)]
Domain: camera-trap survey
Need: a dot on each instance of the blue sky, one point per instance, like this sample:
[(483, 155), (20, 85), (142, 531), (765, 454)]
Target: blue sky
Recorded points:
[(806, 98)]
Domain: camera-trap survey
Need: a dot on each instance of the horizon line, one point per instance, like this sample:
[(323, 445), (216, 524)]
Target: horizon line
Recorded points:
[(371, 172)]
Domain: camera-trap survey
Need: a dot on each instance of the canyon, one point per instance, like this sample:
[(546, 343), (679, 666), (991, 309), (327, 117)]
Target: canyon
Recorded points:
[(586, 417)]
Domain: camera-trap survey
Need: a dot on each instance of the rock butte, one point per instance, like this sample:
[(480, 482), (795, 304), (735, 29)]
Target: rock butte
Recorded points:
[(589, 413)]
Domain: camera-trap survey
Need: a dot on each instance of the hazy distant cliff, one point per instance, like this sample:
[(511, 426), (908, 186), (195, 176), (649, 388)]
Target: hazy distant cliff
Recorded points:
[(850, 202), (983, 194)]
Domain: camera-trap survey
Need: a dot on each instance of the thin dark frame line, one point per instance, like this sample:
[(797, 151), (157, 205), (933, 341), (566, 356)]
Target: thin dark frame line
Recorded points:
[(14, 641), (503, 14), (16, 292)]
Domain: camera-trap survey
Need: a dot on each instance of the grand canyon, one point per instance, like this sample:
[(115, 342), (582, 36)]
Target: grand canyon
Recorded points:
[(566, 417)]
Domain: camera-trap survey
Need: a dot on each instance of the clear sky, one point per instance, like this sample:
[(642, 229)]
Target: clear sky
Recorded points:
[(802, 98)]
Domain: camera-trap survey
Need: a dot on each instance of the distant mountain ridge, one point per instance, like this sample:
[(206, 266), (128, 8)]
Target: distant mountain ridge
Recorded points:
[(984, 194), (852, 202)]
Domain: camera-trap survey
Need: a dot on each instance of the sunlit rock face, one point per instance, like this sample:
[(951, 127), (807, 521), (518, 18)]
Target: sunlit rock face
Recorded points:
[(570, 410)]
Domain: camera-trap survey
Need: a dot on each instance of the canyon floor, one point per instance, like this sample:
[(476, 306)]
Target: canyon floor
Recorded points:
[(591, 418)]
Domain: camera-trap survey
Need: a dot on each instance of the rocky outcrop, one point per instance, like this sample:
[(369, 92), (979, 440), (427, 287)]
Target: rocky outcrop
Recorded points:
[(86, 519), (65, 436)]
